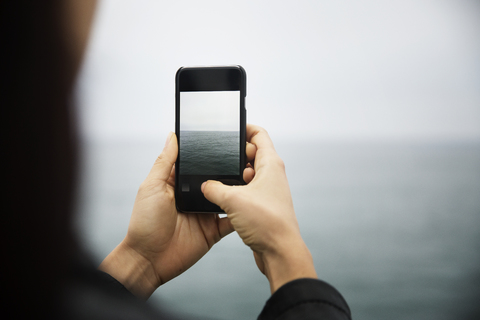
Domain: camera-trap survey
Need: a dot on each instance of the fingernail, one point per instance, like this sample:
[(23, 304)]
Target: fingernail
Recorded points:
[(203, 186), (169, 137)]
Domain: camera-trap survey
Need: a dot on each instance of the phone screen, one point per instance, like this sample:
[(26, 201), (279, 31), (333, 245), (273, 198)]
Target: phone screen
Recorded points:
[(210, 132), (211, 129)]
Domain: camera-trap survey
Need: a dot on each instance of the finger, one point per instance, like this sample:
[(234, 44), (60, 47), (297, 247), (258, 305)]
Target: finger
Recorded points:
[(225, 227), (248, 175), (265, 153), (259, 137), (215, 192), (251, 150), (162, 167), (171, 178)]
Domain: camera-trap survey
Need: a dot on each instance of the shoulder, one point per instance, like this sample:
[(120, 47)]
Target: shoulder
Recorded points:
[(93, 294)]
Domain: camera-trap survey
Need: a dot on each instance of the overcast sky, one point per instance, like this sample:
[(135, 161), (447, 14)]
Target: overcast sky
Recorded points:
[(210, 111), (361, 69)]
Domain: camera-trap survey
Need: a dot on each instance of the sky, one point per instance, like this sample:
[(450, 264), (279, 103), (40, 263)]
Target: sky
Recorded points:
[(210, 111), (330, 70)]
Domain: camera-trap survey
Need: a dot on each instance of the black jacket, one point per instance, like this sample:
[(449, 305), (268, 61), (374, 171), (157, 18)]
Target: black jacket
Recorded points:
[(92, 294)]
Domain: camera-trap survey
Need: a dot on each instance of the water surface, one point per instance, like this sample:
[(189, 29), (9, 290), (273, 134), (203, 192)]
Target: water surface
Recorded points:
[(395, 227)]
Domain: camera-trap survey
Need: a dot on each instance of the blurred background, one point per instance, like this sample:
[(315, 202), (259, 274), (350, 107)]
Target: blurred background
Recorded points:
[(374, 107)]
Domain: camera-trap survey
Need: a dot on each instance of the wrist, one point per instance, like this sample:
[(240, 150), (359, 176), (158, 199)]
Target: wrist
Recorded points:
[(290, 262), (132, 270)]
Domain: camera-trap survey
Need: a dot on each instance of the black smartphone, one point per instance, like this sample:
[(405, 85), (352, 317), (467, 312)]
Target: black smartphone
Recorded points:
[(210, 124)]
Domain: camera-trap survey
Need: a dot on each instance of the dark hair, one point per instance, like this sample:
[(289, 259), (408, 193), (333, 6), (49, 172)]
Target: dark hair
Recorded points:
[(40, 149)]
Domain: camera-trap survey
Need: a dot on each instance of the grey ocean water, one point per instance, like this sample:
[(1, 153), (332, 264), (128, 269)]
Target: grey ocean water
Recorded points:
[(395, 227), (209, 152)]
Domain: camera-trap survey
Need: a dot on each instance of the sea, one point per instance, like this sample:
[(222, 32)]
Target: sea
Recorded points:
[(210, 152), (395, 227)]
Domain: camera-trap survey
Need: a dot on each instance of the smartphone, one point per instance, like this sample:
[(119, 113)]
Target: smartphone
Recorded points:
[(210, 124)]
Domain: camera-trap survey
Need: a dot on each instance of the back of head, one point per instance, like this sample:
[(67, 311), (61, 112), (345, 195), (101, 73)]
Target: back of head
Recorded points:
[(39, 147)]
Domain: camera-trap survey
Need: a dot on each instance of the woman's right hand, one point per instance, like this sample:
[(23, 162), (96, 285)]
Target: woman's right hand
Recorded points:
[(262, 213)]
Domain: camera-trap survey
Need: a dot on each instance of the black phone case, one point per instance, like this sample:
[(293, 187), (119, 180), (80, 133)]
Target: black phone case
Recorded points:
[(218, 78)]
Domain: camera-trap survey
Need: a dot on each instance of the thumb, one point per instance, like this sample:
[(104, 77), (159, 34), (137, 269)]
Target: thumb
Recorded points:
[(163, 165), (216, 192)]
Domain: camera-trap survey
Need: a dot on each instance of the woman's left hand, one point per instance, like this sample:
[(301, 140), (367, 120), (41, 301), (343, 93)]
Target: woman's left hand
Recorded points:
[(161, 242)]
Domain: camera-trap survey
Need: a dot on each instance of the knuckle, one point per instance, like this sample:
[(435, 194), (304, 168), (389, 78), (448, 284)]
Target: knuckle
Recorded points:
[(261, 129), (148, 184), (161, 159), (226, 196), (278, 162), (144, 187)]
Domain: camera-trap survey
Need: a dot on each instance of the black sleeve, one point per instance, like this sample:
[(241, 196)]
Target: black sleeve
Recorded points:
[(306, 299), (96, 295), (114, 285)]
